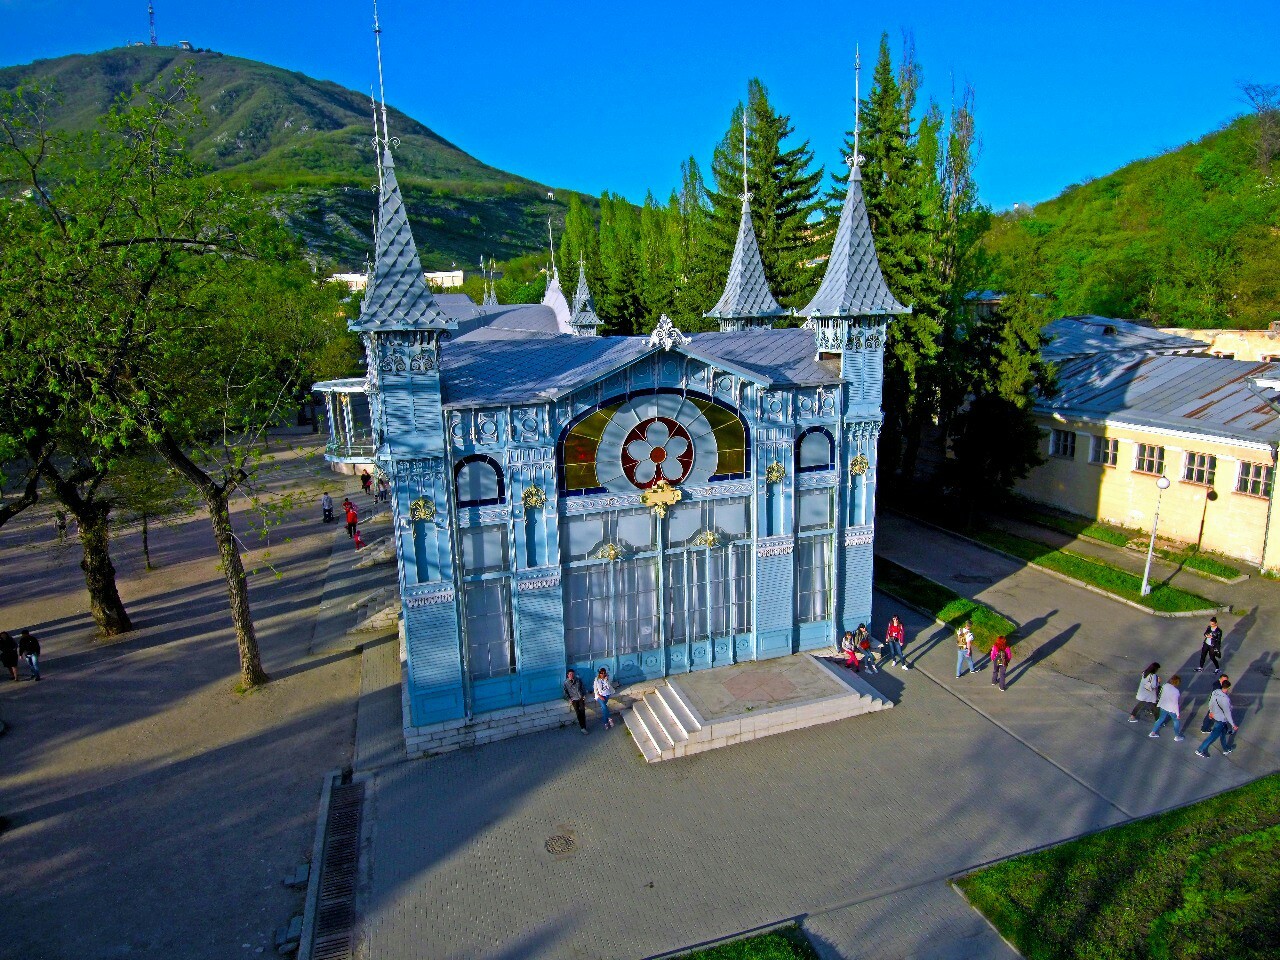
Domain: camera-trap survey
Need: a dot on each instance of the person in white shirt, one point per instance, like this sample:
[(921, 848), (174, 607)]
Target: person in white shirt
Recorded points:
[(1223, 721), (1148, 692), (1170, 705), (604, 690)]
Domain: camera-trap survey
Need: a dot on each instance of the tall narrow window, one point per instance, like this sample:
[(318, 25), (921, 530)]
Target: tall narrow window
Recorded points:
[(813, 579), (1062, 443), (487, 606)]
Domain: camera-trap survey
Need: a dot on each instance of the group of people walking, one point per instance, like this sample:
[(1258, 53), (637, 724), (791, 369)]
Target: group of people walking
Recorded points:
[(26, 647), (1164, 699)]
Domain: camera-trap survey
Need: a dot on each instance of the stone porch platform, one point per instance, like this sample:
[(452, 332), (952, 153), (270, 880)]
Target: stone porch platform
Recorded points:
[(694, 712)]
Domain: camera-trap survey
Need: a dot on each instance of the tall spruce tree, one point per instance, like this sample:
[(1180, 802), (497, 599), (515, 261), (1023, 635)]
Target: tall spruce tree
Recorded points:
[(657, 264), (699, 275), (618, 299), (784, 195)]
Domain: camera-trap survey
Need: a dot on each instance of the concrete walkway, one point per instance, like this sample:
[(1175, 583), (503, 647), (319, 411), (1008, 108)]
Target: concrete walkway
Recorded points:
[(852, 827)]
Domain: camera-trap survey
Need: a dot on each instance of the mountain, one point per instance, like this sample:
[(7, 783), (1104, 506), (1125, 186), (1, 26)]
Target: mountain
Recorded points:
[(306, 142), (1190, 238)]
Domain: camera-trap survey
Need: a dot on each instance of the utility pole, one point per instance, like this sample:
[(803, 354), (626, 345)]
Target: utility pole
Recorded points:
[(151, 16)]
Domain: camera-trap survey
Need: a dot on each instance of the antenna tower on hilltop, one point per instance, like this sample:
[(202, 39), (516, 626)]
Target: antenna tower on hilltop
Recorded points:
[(151, 17)]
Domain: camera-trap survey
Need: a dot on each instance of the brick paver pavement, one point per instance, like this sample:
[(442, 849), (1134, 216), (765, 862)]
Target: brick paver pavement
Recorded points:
[(853, 827)]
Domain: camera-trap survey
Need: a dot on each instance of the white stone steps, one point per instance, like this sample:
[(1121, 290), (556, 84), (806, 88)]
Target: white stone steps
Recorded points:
[(675, 730), (640, 734), (683, 712)]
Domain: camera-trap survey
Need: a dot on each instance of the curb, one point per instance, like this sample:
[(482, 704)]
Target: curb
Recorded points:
[(313, 879), (955, 887), (1183, 568), (1207, 611)]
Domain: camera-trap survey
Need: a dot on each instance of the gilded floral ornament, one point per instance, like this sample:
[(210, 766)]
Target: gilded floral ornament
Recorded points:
[(774, 472), (661, 496), (534, 497), (707, 538), (859, 465), (608, 552), (424, 508)]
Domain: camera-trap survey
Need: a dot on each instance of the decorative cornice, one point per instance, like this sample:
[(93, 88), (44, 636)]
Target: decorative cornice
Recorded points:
[(442, 594), (538, 578), (815, 480), (775, 546), (859, 536)]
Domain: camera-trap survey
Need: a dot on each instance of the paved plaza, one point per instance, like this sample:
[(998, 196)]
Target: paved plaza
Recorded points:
[(154, 811)]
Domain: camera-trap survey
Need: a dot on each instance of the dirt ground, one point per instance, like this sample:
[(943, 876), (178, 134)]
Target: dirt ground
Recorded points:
[(153, 810)]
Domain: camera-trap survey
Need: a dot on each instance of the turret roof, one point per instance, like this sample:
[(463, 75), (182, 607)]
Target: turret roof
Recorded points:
[(584, 305), (554, 298), (746, 291), (397, 297), (853, 285)]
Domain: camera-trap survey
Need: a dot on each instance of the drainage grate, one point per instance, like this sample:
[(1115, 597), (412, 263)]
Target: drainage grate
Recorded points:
[(559, 844), (335, 909)]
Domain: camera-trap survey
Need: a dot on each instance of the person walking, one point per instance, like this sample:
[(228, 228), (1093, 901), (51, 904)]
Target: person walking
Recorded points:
[(384, 490), (366, 482), (60, 525), (1001, 655), (1170, 707), (964, 647), (604, 690), (353, 518), (1148, 692), (326, 507), (9, 654), (895, 637), (29, 649), (1224, 723), (577, 697), (1212, 646)]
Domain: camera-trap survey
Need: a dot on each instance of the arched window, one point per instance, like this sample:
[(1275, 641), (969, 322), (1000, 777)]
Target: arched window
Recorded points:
[(815, 450), (478, 482)]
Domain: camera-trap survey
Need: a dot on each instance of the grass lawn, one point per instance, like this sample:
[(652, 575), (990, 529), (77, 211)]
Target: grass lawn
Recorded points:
[(942, 602), (1074, 526), (1200, 883), (1162, 597), (1195, 560), (785, 944)]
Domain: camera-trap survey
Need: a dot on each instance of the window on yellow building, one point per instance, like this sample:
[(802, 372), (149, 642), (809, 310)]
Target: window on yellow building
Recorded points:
[(1255, 479), (1062, 443), (1104, 451), (1199, 468), (1149, 459)]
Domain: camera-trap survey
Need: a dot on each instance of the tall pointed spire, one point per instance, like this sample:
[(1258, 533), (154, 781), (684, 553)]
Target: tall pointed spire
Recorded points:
[(853, 285), (584, 319), (554, 297), (397, 297), (747, 300), (490, 290)]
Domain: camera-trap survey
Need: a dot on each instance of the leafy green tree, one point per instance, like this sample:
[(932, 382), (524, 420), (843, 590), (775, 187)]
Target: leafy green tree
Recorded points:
[(167, 310), (149, 489)]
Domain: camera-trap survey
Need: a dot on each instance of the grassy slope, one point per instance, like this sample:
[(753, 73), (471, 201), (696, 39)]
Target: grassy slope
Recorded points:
[(1187, 238), (307, 142), (1200, 883)]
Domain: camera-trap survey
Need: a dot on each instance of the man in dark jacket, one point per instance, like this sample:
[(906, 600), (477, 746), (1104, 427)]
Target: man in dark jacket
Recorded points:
[(1212, 646), (577, 697), (29, 648)]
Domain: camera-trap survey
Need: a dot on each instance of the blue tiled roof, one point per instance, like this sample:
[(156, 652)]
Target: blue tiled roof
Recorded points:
[(516, 321), (1080, 336), (746, 291), (482, 369)]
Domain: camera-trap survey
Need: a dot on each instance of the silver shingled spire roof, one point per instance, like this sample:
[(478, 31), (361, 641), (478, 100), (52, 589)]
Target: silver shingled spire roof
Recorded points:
[(746, 291), (584, 318)]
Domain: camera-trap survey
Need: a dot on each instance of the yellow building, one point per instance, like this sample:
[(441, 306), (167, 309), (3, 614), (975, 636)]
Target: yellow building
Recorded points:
[(1257, 345), (1122, 420)]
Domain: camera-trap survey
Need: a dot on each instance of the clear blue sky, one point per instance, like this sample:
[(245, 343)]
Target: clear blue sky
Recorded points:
[(596, 96)]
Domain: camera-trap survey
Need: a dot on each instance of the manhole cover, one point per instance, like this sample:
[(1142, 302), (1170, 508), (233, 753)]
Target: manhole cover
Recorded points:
[(559, 844)]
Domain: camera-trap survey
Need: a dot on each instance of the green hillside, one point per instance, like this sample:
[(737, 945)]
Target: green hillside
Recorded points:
[(307, 142), (1189, 238)]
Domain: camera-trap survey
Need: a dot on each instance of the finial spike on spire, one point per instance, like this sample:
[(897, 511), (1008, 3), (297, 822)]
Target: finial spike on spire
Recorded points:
[(382, 90), (746, 194), (857, 101)]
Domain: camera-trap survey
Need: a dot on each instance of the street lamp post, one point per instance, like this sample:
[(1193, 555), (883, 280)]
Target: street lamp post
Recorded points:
[(1161, 486)]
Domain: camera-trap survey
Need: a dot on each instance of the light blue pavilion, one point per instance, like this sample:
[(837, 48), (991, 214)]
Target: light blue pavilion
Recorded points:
[(653, 505)]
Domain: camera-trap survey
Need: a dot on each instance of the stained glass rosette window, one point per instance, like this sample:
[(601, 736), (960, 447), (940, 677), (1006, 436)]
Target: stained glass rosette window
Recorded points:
[(633, 444)]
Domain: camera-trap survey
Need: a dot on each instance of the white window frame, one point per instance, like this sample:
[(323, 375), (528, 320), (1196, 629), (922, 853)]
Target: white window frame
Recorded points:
[(1255, 479), (1062, 443), (1156, 457), (1104, 451), (1199, 468)]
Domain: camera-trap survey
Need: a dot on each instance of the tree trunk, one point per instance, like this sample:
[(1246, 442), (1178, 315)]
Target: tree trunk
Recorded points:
[(216, 497), (251, 672), (146, 543), (100, 574)]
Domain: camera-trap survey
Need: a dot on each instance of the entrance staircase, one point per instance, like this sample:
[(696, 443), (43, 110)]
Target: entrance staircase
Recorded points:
[(665, 724)]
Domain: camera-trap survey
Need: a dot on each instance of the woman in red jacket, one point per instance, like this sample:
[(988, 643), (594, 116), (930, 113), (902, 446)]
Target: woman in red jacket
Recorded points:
[(894, 637)]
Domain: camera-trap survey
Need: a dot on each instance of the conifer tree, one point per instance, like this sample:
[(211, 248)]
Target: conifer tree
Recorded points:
[(618, 299), (657, 264), (699, 276)]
